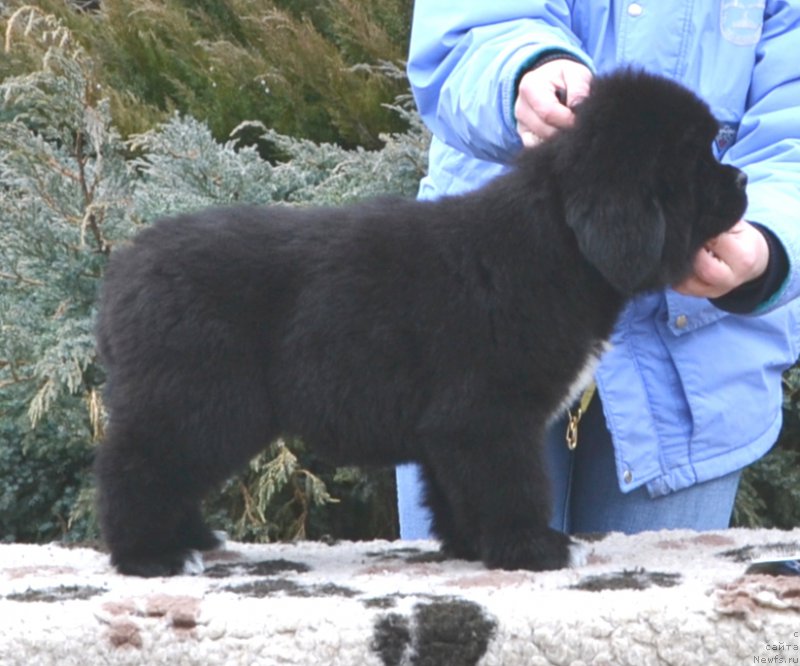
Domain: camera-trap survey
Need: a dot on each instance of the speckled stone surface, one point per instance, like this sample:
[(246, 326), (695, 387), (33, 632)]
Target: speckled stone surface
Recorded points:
[(676, 597)]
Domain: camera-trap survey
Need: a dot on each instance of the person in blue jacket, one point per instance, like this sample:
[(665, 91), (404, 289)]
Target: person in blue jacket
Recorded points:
[(690, 391)]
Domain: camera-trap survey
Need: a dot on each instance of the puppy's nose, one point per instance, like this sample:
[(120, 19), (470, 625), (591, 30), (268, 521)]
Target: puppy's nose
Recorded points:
[(741, 180)]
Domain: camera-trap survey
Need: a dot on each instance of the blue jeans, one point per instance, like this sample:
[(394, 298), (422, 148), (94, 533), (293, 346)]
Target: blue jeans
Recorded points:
[(586, 495)]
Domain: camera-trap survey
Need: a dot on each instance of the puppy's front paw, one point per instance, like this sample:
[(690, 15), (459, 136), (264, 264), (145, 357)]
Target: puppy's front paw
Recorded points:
[(535, 550), (578, 553)]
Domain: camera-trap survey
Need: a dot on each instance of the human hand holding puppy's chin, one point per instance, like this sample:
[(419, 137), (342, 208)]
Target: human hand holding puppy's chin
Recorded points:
[(739, 255), (546, 96)]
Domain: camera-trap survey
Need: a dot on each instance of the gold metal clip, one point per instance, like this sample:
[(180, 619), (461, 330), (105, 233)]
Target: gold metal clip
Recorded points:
[(575, 417), (572, 428)]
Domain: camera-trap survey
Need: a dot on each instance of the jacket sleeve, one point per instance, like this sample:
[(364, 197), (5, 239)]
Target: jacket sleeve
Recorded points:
[(464, 59), (768, 144)]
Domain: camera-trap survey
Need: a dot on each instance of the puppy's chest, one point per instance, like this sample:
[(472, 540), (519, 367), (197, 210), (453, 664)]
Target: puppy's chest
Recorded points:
[(583, 378)]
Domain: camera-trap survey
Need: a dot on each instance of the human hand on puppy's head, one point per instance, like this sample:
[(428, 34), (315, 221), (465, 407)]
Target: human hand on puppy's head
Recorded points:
[(546, 97)]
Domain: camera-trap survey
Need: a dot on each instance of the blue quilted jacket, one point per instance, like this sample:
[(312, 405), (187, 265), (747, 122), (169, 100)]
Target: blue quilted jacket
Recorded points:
[(690, 392)]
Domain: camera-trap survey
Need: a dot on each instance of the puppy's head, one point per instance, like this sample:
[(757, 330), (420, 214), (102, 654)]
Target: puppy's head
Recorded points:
[(641, 188)]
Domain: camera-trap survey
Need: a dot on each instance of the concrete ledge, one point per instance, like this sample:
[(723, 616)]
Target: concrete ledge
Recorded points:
[(657, 598)]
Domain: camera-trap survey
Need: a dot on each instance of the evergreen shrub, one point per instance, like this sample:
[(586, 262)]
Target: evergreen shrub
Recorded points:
[(294, 66), (71, 189)]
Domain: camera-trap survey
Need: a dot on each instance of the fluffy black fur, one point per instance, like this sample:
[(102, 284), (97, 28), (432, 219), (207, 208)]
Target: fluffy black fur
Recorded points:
[(447, 333)]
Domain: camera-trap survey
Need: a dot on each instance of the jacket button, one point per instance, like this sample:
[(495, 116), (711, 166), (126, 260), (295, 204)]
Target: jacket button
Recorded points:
[(681, 321), (635, 9), (627, 477)]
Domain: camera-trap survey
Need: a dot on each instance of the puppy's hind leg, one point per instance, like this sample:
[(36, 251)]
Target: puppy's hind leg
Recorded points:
[(147, 521), (160, 459)]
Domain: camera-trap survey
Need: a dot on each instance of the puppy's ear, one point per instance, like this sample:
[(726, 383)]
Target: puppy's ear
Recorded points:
[(620, 233), (608, 165)]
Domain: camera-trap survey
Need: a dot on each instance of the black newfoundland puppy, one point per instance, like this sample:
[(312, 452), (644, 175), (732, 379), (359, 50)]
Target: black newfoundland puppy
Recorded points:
[(447, 333)]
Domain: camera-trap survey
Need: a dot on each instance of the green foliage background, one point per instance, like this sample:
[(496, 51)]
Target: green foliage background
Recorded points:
[(76, 180), (296, 66), (109, 119)]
